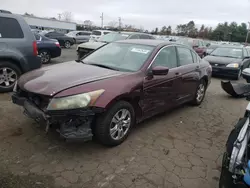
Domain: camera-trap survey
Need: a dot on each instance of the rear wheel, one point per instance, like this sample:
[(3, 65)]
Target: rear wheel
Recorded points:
[(200, 93), (67, 44), (45, 56), (9, 73), (113, 127)]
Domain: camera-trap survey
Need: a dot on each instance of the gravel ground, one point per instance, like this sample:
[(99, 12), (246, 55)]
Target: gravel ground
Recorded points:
[(177, 149)]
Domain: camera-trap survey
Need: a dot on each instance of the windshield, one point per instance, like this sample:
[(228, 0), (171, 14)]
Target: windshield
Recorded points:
[(228, 52), (96, 33), (113, 37), (120, 56), (72, 33)]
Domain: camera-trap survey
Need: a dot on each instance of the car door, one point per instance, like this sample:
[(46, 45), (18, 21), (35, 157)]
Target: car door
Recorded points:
[(246, 61), (160, 92), (189, 67)]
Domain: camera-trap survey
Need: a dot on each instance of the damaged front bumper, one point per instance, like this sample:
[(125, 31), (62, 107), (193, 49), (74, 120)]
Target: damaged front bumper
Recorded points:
[(73, 124)]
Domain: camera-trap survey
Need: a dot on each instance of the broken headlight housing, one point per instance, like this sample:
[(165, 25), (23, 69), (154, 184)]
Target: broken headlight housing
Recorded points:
[(75, 101)]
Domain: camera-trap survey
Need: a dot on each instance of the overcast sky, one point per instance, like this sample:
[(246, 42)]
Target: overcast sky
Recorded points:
[(146, 13)]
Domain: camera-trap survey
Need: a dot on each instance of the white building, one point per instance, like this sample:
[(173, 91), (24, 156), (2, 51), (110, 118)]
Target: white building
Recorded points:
[(49, 24)]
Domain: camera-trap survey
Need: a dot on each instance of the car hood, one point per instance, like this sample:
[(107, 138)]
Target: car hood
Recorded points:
[(53, 79), (222, 60), (91, 45)]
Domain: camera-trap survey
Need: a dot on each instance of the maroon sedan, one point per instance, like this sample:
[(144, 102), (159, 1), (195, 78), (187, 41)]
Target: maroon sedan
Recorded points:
[(110, 90)]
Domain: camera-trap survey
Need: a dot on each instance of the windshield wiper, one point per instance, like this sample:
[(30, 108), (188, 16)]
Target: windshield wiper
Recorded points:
[(103, 66), (79, 61)]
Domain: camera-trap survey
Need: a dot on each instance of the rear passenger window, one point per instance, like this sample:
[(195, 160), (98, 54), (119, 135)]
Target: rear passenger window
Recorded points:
[(166, 58), (10, 28), (185, 56), (144, 37), (134, 37)]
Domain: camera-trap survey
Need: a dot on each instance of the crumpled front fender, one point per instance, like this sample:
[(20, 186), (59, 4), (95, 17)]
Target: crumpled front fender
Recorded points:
[(235, 89)]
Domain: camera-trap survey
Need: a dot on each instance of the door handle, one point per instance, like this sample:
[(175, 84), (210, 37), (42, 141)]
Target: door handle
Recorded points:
[(197, 67), (177, 74)]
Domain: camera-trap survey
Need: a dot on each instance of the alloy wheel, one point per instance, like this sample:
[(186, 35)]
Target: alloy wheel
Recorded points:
[(120, 124), (200, 92), (67, 44), (45, 57), (8, 77)]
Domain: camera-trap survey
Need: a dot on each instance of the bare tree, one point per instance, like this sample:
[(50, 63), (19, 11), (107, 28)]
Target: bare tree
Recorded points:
[(112, 24), (67, 16), (88, 23)]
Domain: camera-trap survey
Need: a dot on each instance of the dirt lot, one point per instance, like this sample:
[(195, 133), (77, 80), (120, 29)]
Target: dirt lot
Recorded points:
[(182, 148)]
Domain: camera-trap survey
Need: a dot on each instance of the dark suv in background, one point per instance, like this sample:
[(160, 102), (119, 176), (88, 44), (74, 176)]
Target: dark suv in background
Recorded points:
[(18, 50)]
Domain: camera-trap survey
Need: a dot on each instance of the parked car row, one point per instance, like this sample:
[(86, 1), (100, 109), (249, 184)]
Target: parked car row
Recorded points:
[(86, 48)]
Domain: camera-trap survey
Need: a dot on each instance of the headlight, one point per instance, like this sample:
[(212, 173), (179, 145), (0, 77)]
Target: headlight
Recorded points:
[(233, 65), (75, 101)]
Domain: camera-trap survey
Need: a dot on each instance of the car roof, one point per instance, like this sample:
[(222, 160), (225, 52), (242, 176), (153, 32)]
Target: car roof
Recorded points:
[(230, 46), (148, 42), (103, 30)]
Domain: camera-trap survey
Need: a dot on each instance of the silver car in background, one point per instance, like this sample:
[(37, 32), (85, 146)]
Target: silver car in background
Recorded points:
[(79, 36)]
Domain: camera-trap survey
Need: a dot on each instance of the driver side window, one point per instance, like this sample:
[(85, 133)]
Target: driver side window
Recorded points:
[(166, 58)]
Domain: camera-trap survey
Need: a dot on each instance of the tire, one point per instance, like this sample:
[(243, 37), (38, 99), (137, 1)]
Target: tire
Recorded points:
[(198, 100), (45, 56), (103, 126), (67, 44), (9, 73), (226, 180)]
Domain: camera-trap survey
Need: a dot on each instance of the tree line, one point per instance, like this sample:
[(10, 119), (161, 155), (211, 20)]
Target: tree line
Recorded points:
[(222, 32)]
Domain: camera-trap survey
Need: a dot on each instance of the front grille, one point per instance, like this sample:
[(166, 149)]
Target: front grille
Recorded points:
[(83, 51), (217, 65)]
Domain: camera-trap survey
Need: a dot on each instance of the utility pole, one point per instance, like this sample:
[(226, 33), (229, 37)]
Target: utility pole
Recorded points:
[(59, 16), (102, 19), (120, 23), (247, 33)]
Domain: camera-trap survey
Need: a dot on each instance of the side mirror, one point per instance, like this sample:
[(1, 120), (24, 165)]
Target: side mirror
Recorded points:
[(160, 70), (246, 57)]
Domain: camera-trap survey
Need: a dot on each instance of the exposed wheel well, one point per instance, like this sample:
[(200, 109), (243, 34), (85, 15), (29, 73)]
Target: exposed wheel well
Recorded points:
[(133, 101), (205, 78), (17, 63)]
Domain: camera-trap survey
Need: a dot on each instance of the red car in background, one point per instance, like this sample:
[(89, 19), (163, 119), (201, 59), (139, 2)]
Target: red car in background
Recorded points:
[(198, 45)]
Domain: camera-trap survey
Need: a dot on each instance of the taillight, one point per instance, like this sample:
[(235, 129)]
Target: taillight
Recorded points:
[(57, 44), (35, 51)]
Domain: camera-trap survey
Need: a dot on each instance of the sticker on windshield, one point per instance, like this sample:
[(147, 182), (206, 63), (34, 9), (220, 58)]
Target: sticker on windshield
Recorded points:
[(139, 50), (125, 35), (237, 50)]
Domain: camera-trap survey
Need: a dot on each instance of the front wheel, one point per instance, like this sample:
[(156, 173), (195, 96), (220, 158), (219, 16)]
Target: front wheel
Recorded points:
[(113, 127), (67, 44), (200, 93)]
